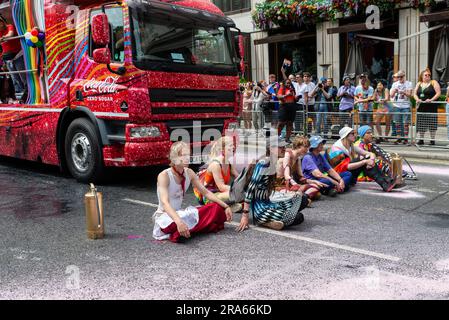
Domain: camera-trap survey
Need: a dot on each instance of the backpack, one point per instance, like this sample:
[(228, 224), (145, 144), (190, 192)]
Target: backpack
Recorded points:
[(237, 190)]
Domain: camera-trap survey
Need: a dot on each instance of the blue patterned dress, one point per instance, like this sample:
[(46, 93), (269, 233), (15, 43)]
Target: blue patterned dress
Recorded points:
[(264, 210)]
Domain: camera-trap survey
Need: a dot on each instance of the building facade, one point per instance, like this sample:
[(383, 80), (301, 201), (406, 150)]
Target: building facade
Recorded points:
[(405, 38)]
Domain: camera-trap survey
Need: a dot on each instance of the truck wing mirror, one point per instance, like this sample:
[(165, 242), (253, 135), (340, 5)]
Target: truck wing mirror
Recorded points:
[(100, 29), (102, 55)]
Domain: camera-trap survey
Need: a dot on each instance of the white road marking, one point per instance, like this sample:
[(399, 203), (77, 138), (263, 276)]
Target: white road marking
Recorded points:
[(142, 203), (301, 238)]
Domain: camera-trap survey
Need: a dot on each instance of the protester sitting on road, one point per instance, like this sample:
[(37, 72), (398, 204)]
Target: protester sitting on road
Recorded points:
[(292, 177), (316, 167), (261, 185), (382, 99), (216, 177), (383, 160), (344, 156), (427, 91), (172, 222)]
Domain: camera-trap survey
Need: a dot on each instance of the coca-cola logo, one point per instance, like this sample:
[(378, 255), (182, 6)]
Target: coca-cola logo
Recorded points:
[(107, 86)]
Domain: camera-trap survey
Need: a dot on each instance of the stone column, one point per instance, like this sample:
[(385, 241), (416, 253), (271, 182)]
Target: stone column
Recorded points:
[(260, 62), (414, 51), (328, 51)]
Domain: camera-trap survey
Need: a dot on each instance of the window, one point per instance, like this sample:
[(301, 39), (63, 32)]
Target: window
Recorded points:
[(116, 45), (233, 5)]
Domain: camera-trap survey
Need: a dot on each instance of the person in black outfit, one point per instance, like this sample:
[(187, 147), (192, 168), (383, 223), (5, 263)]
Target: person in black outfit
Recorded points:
[(427, 91)]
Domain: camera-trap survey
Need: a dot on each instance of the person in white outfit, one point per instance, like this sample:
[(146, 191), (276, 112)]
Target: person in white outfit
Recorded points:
[(170, 220)]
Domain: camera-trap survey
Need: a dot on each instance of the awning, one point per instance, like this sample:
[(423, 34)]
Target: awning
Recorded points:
[(440, 70), (358, 27), (436, 16), (354, 65), (283, 37)]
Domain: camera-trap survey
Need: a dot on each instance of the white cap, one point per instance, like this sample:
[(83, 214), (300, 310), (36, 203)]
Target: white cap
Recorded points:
[(345, 131)]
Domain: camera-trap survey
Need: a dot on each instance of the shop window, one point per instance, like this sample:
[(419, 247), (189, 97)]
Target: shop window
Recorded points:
[(230, 6)]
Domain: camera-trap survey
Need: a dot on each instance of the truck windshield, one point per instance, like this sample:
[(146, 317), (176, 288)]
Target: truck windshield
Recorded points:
[(181, 41)]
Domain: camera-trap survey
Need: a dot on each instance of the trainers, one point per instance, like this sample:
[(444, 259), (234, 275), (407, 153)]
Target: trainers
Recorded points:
[(332, 193), (420, 142), (276, 225), (398, 141), (432, 143)]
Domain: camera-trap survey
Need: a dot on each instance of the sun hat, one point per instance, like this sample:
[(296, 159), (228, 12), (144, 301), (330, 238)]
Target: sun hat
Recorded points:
[(345, 131), (315, 141), (363, 130)]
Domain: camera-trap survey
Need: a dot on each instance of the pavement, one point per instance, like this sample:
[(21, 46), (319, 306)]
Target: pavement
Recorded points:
[(427, 152)]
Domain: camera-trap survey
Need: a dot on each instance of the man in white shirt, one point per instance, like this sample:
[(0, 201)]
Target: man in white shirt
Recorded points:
[(308, 91), (400, 94)]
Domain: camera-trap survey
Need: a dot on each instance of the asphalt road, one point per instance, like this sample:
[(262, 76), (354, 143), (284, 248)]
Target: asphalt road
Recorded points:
[(362, 245)]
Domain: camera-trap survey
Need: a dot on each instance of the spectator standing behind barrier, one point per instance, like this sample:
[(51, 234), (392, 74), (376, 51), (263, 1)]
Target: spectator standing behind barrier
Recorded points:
[(287, 109), (426, 92), (401, 91), (346, 95), (316, 167), (447, 110), (258, 97), (247, 108), (172, 222), (382, 99), (272, 90), (324, 97), (363, 97), (309, 94)]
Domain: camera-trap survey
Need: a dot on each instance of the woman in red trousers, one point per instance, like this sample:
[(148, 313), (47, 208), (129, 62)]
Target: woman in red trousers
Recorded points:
[(170, 220)]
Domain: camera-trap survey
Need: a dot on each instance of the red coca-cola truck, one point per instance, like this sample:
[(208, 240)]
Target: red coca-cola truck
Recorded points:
[(115, 83)]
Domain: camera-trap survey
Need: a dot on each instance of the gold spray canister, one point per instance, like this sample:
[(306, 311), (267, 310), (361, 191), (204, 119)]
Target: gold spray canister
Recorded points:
[(93, 202), (397, 167)]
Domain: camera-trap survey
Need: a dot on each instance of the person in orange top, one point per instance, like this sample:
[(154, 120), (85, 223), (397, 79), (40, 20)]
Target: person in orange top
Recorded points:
[(219, 172), (287, 108), (11, 49)]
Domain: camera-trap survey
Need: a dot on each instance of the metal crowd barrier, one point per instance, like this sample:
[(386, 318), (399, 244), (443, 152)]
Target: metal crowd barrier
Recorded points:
[(393, 125), (432, 128)]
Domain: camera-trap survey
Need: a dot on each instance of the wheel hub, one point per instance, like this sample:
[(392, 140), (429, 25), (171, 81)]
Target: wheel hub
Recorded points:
[(81, 152)]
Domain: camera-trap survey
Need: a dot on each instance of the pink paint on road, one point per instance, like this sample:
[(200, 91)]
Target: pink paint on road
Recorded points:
[(434, 170), (133, 237), (373, 188)]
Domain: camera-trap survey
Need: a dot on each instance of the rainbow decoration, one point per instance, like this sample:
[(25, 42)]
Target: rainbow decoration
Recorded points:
[(28, 16)]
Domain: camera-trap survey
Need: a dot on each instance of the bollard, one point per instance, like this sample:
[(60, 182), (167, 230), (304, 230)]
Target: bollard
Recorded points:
[(397, 168), (93, 202)]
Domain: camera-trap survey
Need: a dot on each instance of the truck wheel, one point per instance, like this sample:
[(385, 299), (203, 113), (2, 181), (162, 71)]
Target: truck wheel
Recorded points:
[(83, 151)]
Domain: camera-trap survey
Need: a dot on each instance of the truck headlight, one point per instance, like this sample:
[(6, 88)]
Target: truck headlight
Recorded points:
[(145, 132)]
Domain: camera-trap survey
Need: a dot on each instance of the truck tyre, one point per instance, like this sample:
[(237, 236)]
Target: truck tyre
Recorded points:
[(83, 151)]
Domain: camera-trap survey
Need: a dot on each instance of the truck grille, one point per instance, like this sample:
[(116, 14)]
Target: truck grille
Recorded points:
[(186, 95)]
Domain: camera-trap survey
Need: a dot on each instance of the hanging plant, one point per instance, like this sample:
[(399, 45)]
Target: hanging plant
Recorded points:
[(270, 13)]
